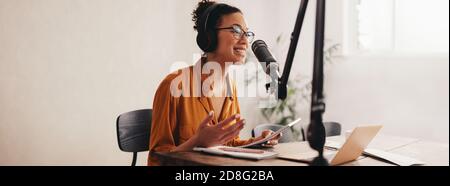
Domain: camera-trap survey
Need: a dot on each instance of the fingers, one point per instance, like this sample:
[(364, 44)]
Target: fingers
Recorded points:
[(207, 120), (226, 138), (228, 120), (270, 143), (278, 136), (266, 133), (232, 131), (273, 142), (230, 136), (236, 127)]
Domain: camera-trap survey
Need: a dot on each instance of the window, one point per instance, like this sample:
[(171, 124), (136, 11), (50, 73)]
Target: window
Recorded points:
[(403, 26)]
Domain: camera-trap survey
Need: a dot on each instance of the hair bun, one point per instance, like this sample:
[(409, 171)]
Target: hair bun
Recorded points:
[(198, 12)]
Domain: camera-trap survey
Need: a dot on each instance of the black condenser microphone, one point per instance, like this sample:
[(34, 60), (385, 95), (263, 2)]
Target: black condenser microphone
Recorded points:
[(268, 63), (264, 56)]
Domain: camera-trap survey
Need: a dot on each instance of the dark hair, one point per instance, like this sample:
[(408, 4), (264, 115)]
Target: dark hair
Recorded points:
[(206, 24), (214, 18)]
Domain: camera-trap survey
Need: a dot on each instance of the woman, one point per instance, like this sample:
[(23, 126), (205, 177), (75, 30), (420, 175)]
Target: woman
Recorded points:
[(191, 108)]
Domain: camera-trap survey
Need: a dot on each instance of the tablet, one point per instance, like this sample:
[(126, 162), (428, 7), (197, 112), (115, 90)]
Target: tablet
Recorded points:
[(259, 142)]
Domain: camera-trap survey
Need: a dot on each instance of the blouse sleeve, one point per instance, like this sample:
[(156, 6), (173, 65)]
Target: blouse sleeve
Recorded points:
[(164, 119)]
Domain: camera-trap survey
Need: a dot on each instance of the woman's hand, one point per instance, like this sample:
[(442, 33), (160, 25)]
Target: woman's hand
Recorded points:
[(211, 135), (272, 142)]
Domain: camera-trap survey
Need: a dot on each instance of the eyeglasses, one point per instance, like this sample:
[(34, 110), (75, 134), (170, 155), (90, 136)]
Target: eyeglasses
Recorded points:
[(238, 33)]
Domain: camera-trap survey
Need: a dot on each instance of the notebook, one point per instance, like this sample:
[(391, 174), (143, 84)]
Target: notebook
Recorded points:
[(237, 152), (242, 152)]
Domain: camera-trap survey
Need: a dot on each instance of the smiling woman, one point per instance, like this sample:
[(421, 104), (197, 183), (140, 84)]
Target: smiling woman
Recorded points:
[(184, 121)]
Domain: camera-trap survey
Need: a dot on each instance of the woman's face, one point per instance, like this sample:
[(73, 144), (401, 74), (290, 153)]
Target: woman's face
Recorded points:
[(230, 48)]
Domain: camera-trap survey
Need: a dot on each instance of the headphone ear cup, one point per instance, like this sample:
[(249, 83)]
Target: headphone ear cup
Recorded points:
[(202, 41), (212, 37), (207, 41)]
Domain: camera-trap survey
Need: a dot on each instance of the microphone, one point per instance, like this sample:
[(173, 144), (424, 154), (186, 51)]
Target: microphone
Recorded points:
[(268, 63), (263, 55)]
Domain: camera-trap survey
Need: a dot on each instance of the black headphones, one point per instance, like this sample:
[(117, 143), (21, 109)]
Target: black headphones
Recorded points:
[(207, 38)]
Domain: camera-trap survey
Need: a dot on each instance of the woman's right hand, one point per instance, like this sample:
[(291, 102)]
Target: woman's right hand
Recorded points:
[(209, 135)]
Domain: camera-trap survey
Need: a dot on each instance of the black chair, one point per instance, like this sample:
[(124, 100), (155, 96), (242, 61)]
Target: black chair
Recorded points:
[(332, 128), (287, 135), (133, 131)]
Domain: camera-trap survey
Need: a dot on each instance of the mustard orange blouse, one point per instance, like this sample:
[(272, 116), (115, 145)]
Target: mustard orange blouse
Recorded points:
[(176, 119)]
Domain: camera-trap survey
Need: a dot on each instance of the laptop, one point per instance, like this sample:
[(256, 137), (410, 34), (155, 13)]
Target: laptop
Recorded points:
[(353, 147)]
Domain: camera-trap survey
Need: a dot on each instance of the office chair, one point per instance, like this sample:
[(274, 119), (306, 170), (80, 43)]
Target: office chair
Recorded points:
[(133, 131), (332, 128), (287, 135)]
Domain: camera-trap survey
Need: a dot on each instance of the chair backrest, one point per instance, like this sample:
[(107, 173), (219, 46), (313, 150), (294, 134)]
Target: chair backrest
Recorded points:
[(332, 128), (133, 130), (287, 136)]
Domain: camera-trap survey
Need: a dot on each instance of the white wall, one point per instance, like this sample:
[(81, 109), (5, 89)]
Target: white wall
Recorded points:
[(69, 68), (407, 95), (405, 92)]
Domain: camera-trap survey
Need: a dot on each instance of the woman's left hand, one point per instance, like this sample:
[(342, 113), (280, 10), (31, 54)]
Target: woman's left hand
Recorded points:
[(272, 142)]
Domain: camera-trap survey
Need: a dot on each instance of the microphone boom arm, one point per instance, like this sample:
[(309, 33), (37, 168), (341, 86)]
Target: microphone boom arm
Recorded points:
[(282, 87), (316, 130)]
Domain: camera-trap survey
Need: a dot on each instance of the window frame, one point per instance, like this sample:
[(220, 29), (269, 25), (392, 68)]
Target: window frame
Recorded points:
[(350, 37)]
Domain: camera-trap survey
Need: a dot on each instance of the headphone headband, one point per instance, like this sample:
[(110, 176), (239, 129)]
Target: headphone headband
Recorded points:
[(207, 39), (207, 13)]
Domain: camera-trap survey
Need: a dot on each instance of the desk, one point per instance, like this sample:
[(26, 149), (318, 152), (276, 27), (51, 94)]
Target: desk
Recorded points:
[(430, 152)]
